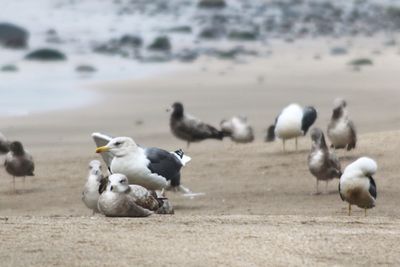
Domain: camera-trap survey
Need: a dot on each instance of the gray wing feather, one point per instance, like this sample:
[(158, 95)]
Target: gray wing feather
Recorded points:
[(198, 130), (164, 164), (334, 165), (102, 140)]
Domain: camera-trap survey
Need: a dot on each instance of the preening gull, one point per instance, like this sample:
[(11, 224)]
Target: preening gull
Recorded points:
[(90, 194), (152, 168), (341, 130), (357, 186), (238, 129), (189, 128), (19, 163), (4, 144), (120, 199), (322, 163), (292, 122)]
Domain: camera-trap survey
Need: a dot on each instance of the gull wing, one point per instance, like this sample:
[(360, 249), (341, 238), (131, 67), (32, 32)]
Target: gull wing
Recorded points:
[(102, 140)]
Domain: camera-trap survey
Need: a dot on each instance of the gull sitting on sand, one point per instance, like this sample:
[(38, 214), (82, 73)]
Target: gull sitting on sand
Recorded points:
[(357, 186), (19, 163), (322, 163), (4, 144), (189, 128), (152, 168), (292, 122), (123, 200), (90, 194), (238, 129), (341, 130)]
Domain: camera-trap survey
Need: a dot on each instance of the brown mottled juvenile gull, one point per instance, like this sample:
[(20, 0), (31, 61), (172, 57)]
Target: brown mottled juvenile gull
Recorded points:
[(292, 122), (238, 129), (123, 200), (19, 163), (189, 128), (341, 130), (90, 193), (357, 186), (322, 163)]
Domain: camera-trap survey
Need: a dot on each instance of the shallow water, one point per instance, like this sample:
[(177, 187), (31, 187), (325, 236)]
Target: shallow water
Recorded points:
[(39, 87)]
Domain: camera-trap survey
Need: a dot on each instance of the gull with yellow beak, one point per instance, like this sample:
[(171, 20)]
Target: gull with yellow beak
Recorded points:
[(152, 168)]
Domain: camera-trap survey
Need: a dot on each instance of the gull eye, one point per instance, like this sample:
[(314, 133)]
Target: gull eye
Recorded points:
[(118, 143), (122, 181)]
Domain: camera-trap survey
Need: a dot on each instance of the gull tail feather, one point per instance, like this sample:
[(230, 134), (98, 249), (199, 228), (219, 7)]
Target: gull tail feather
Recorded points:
[(181, 156)]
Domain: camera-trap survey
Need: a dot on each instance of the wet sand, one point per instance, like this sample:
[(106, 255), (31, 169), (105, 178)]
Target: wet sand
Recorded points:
[(258, 209)]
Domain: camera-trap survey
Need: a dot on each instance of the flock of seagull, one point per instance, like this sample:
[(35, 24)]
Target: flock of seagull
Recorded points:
[(138, 177)]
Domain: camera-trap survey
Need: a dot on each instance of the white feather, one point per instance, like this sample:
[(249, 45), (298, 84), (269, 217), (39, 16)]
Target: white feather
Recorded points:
[(288, 124), (340, 133), (355, 179), (134, 166), (185, 159), (364, 166)]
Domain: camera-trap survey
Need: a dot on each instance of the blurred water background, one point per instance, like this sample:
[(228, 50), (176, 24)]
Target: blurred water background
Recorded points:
[(103, 40)]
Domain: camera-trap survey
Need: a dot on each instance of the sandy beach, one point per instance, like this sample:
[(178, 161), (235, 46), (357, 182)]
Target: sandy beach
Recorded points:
[(258, 208)]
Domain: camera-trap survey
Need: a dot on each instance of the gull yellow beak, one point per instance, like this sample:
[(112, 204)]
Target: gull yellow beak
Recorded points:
[(102, 149)]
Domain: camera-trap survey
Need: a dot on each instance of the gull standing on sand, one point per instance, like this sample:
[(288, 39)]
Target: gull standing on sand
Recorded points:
[(123, 200), (292, 122), (90, 194), (19, 163), (189, 128), (341, 130), (4, 144), (357, 186), (322, 163), (152, 168), (238, 129)]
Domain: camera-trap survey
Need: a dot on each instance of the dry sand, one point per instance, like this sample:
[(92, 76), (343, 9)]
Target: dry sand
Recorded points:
[(258, 209)]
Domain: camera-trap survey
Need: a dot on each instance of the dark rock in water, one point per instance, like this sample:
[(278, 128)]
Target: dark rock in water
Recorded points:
[(390, 42), (361, 62), (210, 33), (161, 43), (155, 58), (13, 36), (187, 55), (132, 40), (212, 3), (337, 51), (289, 40), (51, 32), (126, 46), (243, 35), (9, 68), (85, 68), (46, 54), (52, 37), (180, 29), (232, 53)]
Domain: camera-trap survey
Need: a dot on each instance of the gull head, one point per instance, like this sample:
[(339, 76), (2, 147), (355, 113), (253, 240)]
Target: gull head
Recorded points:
[(317, 137), (17, 148), (339, 106), (118, 183), (119, 146), (339, 103), (177, 110), (95, 168)]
